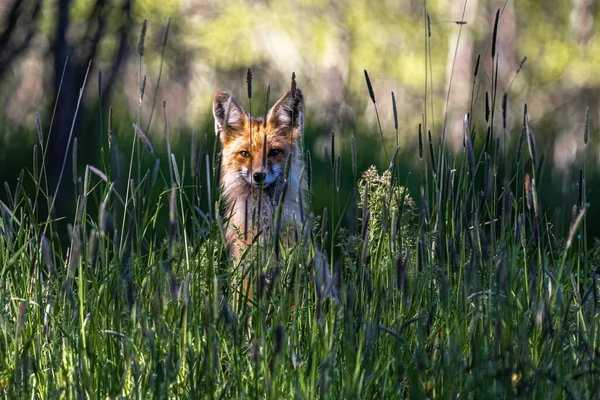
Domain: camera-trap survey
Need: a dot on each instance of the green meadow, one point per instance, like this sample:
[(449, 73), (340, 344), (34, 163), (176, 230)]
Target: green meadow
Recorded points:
[(452, 277)]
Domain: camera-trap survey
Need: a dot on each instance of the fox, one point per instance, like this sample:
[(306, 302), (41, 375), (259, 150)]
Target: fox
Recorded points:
[(255, 153)]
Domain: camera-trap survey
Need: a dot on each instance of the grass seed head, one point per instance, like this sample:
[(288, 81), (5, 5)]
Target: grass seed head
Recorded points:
[(428, 25), (332, 149), (400, 271), (176, 170), (365, 204), (92, 247), (249, 82), (495, 33), (172, 213), (467, 129), (393, 162), (527, 184), (384, 214), (47, 257), (487, 139), (365, 241), (520, 144), (142, 39), (519, 230), (40, 130), (532, 148), (370, 87), (470, 157), (504, 107), (9, 195), (267, 92), (586, 130), (432, 153), (293, 85), (98, 173), (521, 64), (365, 226), (420, 142), (143, 138), (132, 189), (17, 197), (142, 88), (575, 225), (395, 111), (167, 28), (487, 107)]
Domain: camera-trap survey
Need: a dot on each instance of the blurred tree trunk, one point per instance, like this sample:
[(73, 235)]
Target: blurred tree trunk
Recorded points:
[(17, 31), (65, 87), (70, 66)]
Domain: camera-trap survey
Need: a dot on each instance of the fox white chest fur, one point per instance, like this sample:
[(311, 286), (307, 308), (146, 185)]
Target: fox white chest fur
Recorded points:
[(254, 157)]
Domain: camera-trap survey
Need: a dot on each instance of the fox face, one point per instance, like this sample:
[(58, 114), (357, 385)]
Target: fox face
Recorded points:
[(255, 150)]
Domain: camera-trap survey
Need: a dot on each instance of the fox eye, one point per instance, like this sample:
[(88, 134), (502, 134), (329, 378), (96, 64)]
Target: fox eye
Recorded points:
[(274, 152), (244, 154)]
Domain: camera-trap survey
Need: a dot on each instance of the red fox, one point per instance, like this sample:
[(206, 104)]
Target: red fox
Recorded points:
[(245, 183)]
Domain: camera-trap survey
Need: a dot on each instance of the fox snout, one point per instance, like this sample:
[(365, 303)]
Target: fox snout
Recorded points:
[(259, 177)]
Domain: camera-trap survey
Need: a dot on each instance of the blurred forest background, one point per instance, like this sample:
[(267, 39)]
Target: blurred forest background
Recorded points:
[(327, 44)]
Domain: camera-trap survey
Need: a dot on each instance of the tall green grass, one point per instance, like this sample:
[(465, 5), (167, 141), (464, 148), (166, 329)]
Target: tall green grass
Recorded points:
[(466, 292)]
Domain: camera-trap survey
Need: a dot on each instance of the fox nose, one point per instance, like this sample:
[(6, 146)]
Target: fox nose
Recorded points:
[(259, 177)]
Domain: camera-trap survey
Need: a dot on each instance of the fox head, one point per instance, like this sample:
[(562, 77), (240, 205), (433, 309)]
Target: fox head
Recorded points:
[(255, 150)]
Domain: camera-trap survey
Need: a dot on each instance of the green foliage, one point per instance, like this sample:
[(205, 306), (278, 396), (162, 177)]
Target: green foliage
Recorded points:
[(468, 294), (455, 309), (385, 199)]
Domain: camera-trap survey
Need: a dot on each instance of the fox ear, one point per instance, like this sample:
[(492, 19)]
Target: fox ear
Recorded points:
[(288, 113), (230, 116)]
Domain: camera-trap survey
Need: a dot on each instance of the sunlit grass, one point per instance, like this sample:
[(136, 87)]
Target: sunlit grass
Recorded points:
[(460, 290)]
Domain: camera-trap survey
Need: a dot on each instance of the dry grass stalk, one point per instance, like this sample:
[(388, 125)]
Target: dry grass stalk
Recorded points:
[(97, 172), (143, 138), (576, 224)]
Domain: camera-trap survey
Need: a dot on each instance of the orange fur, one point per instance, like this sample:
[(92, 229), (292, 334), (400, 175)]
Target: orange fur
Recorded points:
[(243, 140)]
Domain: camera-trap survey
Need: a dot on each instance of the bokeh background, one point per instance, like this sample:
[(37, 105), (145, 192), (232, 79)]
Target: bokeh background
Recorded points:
[(47, 45)]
